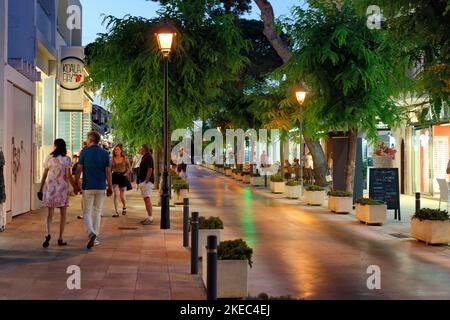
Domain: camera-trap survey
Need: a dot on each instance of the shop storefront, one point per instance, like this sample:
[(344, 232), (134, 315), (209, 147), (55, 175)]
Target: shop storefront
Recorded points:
[(431, 154)]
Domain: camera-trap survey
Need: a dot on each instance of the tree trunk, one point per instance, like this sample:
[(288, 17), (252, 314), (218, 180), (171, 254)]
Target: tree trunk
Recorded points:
[(270, 30), (157, 161), (351, 155), (285, 53), (319, 162), (282, 157)]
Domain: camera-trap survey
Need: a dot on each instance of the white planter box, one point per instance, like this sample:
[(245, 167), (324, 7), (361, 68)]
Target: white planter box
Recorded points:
[(340, 204), (246, 178), (382, 161), (277, 187), (203, 238), (228, 172), (257, 181), (232, 278), (292, 192), (178, 196), (371, 214), (315, 198), (431, 231), (331, 203)]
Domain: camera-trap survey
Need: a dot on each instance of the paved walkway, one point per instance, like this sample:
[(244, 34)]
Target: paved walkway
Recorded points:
[(132, 261), (310, 253)]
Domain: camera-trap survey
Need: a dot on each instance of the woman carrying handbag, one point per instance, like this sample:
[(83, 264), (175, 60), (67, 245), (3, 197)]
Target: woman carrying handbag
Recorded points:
[(120, 167), (54, 191)]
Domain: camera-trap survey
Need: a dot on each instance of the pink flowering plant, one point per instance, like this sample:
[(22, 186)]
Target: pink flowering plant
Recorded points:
[(383, 149)]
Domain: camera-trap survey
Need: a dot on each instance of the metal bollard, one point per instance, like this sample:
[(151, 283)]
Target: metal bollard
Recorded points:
[(211, 273), (186, 222), (417, 202), (194, 243)]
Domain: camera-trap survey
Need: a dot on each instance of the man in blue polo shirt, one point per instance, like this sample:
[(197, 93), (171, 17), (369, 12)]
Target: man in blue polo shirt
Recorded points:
[(95, 166)]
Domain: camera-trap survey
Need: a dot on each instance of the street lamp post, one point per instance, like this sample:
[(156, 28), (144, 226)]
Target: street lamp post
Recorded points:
[(165, 37), (300, 94)]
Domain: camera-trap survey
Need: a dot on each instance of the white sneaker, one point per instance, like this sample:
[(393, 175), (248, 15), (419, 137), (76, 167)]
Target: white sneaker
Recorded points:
[(147, 221), (96, 242)]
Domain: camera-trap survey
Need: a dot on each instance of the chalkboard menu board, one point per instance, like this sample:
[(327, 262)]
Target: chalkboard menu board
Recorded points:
[(384, 186)]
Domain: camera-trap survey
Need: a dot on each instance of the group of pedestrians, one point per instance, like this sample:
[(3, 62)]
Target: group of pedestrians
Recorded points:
[(100, 176)]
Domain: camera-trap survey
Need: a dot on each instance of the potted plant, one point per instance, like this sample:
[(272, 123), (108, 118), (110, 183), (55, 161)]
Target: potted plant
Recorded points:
[(277, 184), (315, 195), (340, 201), (228, 171), (180, 191), (211, 226), (371, 211), (234, 258), (239, 176), (246, 177), (383, 156), (256, 180), (292, 189), (431, 226)]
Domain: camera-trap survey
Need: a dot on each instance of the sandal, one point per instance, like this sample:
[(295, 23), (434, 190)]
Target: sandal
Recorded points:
[(47, 241), (62, 242), (116, 215), (124, 211)]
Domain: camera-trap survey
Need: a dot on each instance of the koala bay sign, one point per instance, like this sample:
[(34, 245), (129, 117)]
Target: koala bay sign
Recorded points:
[(72, 73), (72, 78)]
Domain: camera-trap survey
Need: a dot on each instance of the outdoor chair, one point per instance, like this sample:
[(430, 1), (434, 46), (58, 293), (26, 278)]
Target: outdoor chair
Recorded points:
[(443, 191)]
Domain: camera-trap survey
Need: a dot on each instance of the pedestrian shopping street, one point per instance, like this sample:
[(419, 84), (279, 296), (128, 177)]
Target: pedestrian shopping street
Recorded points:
[(311, 253), (131, 262), (305, 252)]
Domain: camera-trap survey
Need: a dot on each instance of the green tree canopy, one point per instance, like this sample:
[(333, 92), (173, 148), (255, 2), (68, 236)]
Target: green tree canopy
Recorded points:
[(352, 72), (125, 62), (422, 29)]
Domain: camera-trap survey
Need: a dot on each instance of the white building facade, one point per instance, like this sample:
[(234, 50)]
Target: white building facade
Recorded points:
[(33, 34)]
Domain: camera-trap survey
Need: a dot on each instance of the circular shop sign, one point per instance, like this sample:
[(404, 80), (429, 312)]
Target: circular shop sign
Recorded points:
[(72, 74)]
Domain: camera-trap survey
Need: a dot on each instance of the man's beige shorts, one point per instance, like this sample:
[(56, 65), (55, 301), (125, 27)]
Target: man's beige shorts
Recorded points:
[(146, 189)]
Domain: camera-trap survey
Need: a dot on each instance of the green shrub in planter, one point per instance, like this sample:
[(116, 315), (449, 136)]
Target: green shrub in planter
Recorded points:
[(276, 178), (339, 193), (315, 188), (292, 183), (210, 223), (368, 201), (180, 184), (245, 173), (235, 250), (256, 174), (431, 214)]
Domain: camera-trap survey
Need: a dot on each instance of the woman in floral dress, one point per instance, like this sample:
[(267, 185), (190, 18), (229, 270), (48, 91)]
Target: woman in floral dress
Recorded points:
[(55, 187)]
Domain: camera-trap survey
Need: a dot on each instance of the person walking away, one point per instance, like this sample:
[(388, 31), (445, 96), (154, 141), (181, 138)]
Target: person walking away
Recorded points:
[(136, 162), (182, 166), (120, 167), (309, 167), (146, 180), (95, 166), (55, 188), (73, 172)]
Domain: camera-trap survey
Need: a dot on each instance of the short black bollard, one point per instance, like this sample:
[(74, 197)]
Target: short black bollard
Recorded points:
[(194, 243), (417, 202), (186, 222), (211, 273)]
